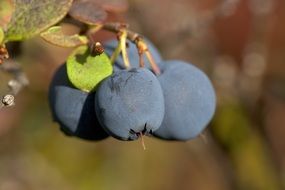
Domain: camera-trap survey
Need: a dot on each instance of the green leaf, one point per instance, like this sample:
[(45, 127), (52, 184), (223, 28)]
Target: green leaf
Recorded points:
[(1, 35), (33, 16), (86, 71), (6, 10), (54, 35)]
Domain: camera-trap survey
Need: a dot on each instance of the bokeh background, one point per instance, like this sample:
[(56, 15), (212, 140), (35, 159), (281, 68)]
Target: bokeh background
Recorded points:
[(240, 44)]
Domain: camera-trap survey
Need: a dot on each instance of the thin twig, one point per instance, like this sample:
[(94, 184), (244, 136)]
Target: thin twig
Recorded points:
[(117, 27), (122, 43), (135, 38)]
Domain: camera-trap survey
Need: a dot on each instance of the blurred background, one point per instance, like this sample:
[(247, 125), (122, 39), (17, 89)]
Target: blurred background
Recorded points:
[(240, 44)]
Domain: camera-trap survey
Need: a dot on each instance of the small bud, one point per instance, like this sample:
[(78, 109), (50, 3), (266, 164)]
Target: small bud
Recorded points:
[(2, 50), (3, 54), (97, 49), (8, 100)]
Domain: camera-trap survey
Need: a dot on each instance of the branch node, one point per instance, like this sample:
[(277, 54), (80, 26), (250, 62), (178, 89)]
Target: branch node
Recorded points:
[(97, 49)]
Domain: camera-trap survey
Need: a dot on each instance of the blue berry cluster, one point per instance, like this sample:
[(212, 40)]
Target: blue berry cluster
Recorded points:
[(177, 105)]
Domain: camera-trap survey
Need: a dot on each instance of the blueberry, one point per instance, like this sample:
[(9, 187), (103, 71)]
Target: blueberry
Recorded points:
[(130, 103), (73, 109), (190, 101)]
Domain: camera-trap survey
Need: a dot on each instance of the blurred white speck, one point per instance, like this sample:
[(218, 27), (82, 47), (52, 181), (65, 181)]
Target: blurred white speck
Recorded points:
[(254, 64), (225, 71)]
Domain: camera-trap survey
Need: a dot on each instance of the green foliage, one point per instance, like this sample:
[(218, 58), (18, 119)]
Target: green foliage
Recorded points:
[(232, 125), (33, 16), (6, 10), (86, 71), (1, 35), (54, 35)]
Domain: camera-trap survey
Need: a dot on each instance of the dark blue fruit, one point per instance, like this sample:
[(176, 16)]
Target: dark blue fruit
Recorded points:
[(73, 109), (190, 101), (130, 103), (111, 45)]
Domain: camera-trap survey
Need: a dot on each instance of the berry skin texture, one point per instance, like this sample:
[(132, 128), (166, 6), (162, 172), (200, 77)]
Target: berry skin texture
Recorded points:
[(111, 45), (190, 101), (130, 103), (73, 109)]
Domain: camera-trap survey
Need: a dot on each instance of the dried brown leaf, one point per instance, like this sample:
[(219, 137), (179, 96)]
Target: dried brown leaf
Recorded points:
[(114, 5), (89, 12)]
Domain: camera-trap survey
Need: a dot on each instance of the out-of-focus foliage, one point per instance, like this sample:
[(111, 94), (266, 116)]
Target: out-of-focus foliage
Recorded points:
[(6, 10), (246, 147), (1, 35)]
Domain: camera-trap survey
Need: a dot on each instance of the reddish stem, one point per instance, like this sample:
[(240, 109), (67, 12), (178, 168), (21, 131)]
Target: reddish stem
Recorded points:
[(142, 141), (135, 38), (204, 138)]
